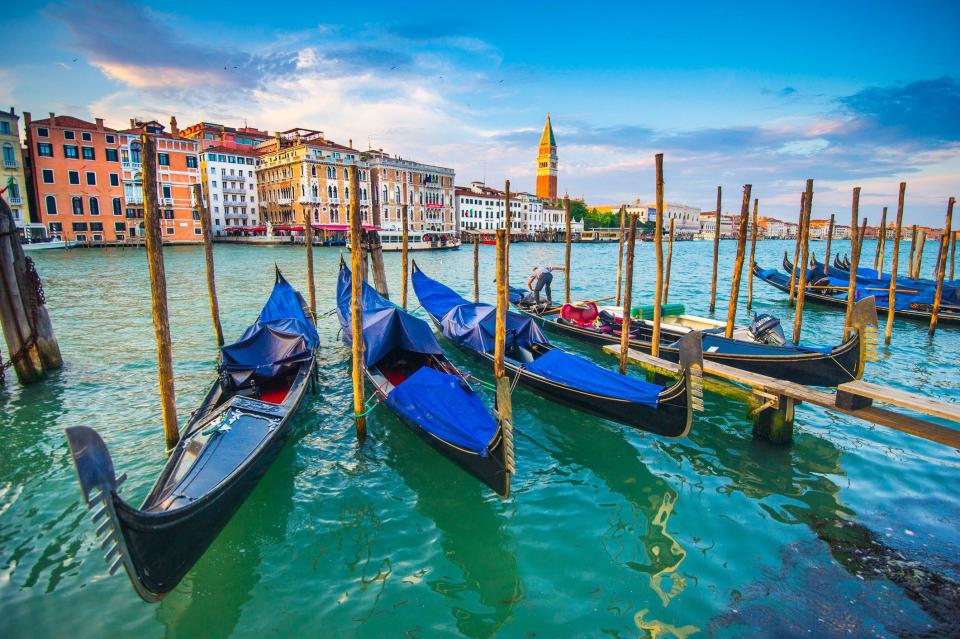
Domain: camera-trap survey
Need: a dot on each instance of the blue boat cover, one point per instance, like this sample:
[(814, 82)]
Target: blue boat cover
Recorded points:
[(582, 374), (867, 278), (719, 344), (386, 327), (438, 403), (281, 337)]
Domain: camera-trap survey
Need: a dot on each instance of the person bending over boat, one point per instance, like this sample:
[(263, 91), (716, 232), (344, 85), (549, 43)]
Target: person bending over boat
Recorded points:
[(540, 279)]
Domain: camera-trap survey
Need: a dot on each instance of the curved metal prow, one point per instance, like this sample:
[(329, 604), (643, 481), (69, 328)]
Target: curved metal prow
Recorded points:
[(691, 361), (99, 484), (863, 320)]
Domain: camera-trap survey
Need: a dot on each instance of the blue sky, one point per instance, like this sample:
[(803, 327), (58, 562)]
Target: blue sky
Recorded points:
[(850, 94)]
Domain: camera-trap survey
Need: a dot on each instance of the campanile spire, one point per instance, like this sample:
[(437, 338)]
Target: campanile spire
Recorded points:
[(547, 163)]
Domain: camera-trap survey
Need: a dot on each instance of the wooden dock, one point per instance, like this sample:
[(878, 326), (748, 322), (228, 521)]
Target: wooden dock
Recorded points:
[(778, 397)]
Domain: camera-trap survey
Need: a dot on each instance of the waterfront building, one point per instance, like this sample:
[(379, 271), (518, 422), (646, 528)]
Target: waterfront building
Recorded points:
[(729, 225), (178, 169), (687, 221), (230, 188), (481, 208), (531, 214), (75, 177), (12, 176), (547, 163), (300, 174), (427, 190), (210, 134)]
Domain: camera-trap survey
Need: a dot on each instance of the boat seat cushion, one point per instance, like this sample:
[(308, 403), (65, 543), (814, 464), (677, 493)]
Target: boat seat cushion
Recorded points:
[(581, 315)]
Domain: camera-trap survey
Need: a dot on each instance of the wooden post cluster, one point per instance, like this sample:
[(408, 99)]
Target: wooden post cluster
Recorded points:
[(623, 213), (738, 263), (158, 292), (27, 329), (856, 241), (826, 262), (791, 295), (753, 253), (881, 241), (208, 256), (566, 264), (658, 234), (893, 265), (666, 277), (404, 257), (716, 251), (627, 294), (356, 304), (942, 266), (804, 260)]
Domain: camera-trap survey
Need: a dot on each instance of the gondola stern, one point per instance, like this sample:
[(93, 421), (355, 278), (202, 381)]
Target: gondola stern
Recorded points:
[(865, 324), (99, 485), (691, 361)]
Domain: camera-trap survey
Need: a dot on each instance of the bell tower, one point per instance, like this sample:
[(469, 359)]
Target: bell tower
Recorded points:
[(547, 164)]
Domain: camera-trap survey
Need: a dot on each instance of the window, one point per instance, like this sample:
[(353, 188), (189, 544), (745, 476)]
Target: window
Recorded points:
[(163, 159), (69, 135), (45, 149), (197, 230), (51, 205), (5, 127), (168, 214), (196, 215), (48, 176), (95, 207), (73, 177), (111, 140), (71, 152), (119, 226), (76, 204), (56, 227), (135, 151), (166, 191), (191, 161), (111, 155), (91, 178), (79, 226), (114, 179), (86, 137), (81, 237), (117, 208), (169, 230), (231, 159), (9, 157), (96, 226), (43, 132)]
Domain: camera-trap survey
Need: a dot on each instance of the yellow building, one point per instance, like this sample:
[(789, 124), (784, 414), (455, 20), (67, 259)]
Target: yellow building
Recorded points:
[(11, 174)]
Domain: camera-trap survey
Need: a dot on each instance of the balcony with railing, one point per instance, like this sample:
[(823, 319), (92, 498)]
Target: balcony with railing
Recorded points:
[(284, 201), (9, 163), (309, 199), (135, 198), (15, 200), (233, 189)]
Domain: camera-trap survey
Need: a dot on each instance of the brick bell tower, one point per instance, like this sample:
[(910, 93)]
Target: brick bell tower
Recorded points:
[(547, 164)]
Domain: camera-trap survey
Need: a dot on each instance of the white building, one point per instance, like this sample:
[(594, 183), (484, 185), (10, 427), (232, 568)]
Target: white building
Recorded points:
[(427, 190), (687, 220), (531, 213), (481, 208), (230, 188)]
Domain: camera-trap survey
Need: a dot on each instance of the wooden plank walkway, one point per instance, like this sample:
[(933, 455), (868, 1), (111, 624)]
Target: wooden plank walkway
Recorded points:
[(852, 398)]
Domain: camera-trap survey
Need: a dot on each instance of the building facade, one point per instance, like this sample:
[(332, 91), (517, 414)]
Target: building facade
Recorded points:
[(230, 188), (12, 176), (428, 192), (481, 208), (547, 163), (75, 176), (210, 134), (302, 175), (531, 214), (178, 169), (687, 221)]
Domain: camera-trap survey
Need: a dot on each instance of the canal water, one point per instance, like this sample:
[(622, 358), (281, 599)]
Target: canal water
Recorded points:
[(851, 531)]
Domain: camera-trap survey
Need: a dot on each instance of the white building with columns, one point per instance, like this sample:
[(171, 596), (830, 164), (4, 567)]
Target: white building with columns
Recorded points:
[(230, 188)]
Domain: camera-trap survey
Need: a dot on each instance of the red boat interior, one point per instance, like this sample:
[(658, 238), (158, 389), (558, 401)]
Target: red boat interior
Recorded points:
[(276, 389), (399, 365)]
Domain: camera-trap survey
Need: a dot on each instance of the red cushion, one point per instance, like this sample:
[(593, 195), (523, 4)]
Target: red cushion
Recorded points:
[(582, 315)]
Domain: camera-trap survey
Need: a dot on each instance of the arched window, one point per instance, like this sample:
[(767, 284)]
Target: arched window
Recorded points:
[(51, 205), (135, 152), (330, 192), (314, 191), (385, 194), (9, 156), (94, 206), (346, 192), (14, 189), (77, 205), (397, 194), (313, 170), (117, 206)]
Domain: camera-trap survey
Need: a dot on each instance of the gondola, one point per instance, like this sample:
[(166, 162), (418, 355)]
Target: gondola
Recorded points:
[(813, 366), (410, 374), (870, 275), (561, 376), (908, 306), (225, 448)]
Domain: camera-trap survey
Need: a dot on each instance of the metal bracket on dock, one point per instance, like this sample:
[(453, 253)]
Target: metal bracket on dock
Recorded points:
[(772, 401)]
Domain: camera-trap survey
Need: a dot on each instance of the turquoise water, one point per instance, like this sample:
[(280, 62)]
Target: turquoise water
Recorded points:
[(851, 531)]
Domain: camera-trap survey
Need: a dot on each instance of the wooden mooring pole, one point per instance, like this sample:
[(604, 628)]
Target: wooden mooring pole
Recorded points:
[(791, 294), (804, 260), (953, 251), (476, 268), (862, 234), (918, 256), (208, 258), (826, 262), (375, 251), (658, 288), (753, 253), (893, 265), (404, 257), (32, 347), (716, 252), (881, 240), (504, 400), (566, 264), (623, 213), (627, 294), (308, 245), (507, 224), (913, 252), (356, 304), (666, 277), (738, 263), (856, 241), (942, 266), (158, 292)]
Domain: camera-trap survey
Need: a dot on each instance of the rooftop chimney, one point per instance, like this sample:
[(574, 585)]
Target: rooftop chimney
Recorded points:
[(99, 124), (13, 111), (133, 123), (53, 119), (174, 129)]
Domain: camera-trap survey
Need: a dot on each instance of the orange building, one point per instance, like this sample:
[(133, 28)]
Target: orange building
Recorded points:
[(210, 134), (547, 164), (75, 178), (178, 170)]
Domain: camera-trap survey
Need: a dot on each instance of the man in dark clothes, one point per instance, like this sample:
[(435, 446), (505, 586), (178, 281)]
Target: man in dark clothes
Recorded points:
[(540, 279)]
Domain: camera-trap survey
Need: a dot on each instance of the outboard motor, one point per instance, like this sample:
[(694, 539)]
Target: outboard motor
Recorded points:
[(766, 329)]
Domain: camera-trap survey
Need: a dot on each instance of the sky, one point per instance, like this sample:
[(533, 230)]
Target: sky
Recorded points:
[(771, 94)]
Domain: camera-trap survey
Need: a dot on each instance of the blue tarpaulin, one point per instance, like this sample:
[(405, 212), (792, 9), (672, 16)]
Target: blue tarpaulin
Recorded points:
[(386, 327), (919, 290), (472, 325), (582, 374), (281, 337), (439, 404), (720, 344)]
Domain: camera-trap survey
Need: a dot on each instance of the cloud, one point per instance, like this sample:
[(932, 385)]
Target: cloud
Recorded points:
[(785, 92)]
